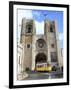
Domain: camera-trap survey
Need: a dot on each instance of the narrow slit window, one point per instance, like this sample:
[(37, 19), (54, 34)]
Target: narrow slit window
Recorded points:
[(28, 45)]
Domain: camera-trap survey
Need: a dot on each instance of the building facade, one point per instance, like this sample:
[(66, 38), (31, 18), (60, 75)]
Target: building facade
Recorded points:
[(42, 48), (19, 58)]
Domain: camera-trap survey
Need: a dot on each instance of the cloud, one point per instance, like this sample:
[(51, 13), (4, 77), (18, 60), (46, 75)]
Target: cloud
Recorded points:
[(39, 15), (39, 27), (61, 37)]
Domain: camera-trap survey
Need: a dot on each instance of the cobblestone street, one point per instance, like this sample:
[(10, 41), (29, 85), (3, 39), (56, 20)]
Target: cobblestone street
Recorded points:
[(43, 75)]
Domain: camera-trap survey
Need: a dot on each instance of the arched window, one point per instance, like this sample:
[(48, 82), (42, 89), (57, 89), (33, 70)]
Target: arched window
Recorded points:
[(28, 28), (51, 28)]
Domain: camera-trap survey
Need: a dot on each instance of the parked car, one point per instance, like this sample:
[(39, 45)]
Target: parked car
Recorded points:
[(55, 68)]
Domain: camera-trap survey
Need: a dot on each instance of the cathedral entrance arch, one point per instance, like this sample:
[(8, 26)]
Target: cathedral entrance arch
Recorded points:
[(40, 59)]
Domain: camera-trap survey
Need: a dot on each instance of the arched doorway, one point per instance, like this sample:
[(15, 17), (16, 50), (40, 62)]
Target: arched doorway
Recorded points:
[(40, 58)]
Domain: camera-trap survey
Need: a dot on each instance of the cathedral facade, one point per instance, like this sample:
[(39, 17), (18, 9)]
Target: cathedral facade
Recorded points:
[(41, 48)]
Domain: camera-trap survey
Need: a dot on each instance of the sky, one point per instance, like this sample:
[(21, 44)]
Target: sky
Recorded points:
[(39, 16)]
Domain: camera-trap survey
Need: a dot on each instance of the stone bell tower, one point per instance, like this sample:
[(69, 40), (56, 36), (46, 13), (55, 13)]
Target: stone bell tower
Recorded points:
[(52, 40), (27, 32)]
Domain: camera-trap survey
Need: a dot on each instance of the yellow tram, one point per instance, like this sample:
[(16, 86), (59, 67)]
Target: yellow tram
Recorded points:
[(43, 67)]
